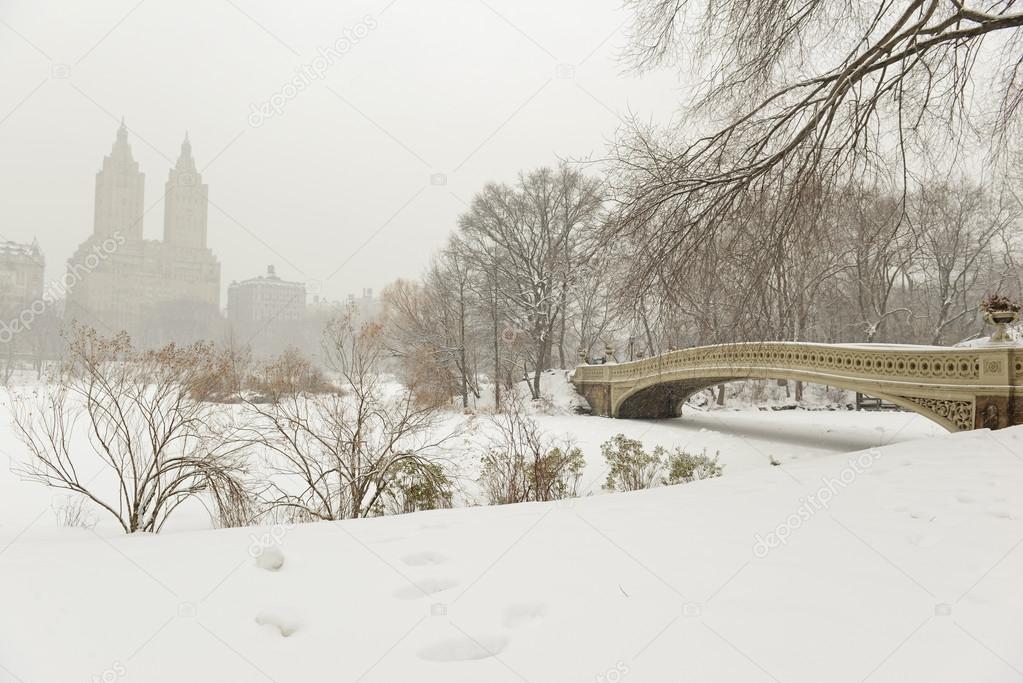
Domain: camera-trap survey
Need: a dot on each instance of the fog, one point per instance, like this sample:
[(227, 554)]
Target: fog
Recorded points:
[(346, 184)]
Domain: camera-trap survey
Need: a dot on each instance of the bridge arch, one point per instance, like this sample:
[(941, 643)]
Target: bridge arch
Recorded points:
[(958, 388), (666, 399)]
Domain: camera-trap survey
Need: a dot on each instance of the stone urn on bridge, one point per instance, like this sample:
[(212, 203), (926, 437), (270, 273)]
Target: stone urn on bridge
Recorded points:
[(1001, 312)]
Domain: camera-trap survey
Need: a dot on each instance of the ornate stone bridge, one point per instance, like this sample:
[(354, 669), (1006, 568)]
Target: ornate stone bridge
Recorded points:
[(959, 388)]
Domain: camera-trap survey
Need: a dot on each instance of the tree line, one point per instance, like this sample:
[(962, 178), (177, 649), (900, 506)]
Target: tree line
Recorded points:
[(534, 277)]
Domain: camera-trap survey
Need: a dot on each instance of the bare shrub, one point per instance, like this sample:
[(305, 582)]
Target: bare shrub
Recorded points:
[(523, 463), (290, 373), (74, 511), (234, 503), (340, 455), (142, 421), (224, 374)]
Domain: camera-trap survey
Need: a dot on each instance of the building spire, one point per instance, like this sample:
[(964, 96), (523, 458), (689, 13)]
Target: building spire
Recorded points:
[(185, 200), (185, 160), (120, 192)]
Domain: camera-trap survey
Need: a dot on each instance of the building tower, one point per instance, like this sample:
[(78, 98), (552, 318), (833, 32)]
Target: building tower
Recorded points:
[(185, 203), (120, 192)]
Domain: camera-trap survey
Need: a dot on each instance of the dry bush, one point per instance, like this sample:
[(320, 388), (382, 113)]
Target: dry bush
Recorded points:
[(223, 373), (415, 486), (433, 381), (522, 463), (630, 468), (289, 374), (684, 467), (74, 512), (340, 455), (142, 421)]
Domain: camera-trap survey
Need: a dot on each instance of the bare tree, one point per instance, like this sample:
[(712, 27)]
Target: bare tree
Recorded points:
[(531, 236), (878, 244), (804, 103), (957, 228)]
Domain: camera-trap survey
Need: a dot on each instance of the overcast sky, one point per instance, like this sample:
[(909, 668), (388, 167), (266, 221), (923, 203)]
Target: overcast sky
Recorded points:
[(333, 185)]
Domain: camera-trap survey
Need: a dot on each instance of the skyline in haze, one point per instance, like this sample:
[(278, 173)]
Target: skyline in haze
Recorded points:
[(377, 122)]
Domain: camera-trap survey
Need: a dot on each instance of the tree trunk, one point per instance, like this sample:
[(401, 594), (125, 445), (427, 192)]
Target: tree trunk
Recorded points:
[(561, 340), (534, 387), (496, 379), (461, 348)]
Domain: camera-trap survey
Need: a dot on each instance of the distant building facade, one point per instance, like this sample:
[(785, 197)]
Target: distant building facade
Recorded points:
[(21, 275), (29, 307), (366, 308), (267, 313), (157, 291)]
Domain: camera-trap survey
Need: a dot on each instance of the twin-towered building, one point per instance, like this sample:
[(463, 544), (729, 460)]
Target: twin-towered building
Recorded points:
[(169, 290), (155, 290)]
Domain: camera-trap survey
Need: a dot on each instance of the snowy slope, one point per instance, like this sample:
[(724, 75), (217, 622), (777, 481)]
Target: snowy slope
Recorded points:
[(908, 570)]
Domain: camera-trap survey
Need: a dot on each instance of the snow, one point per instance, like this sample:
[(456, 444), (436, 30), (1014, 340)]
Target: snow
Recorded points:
[(270, 558), (881, 549), (556, 392), (986, 343)]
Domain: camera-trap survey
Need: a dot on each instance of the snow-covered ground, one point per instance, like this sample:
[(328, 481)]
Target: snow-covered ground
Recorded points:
[(881, 549)]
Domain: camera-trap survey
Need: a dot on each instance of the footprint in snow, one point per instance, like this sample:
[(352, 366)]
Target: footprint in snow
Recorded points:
[(424, 558), (423, 588), (282, 625), (523, 614), (925, 540), (464, 649), (388, 539), (270, 558)]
